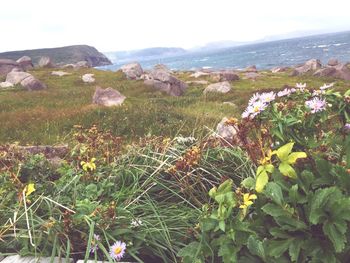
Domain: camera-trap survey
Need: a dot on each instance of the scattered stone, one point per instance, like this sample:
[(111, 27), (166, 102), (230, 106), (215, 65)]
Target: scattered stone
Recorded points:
[(340, 71), (25, 62), (198, 82), (60, 73), (221, 87), (6, 85), (68, 66), (45, 62), (88, 78), (226, 131), (333, 62), (251, 75), (279, 69), (145, 77), (251, 69), (132, 70), (164, 81), (16, 77), (310, 65), (108, 97), (224, 76), (82, 64), (199, 74), (6, 65), (31, 83)]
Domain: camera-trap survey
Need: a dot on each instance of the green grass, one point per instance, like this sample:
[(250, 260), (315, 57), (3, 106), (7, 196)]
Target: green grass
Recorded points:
[(47, 117)]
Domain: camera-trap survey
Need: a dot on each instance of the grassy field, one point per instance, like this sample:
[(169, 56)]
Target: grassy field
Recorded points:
[(48, 116)]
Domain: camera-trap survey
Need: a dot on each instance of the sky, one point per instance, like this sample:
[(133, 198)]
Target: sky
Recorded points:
[(111, 25)]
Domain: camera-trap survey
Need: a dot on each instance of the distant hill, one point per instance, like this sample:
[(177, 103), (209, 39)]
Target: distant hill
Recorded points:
[(145, 54), (63, 55)]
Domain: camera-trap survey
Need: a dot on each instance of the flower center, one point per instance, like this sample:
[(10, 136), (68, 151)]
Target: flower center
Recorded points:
[(117, 250)]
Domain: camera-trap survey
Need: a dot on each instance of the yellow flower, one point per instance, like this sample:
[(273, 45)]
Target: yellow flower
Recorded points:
[(247, 200), (89, 165), (267, 158), (30, 188)]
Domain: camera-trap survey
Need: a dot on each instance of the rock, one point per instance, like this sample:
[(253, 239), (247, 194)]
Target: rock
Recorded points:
[(50, 152), (31, 83), (25, 62), (226, 131), (310, 65), (340, 71), (251, 69), (60, 73), (224, 76), (16, 77), (221, 87), (145, 76), (279, 69), (88, 78), (162, 67), (333, 62), (82, 64), (108, 97), (6, 85), (251, 75), (199, 74), (198, 82), (45, 62), (19, 259), (6, 65), (164, 81), (132, 70), (68, 66)]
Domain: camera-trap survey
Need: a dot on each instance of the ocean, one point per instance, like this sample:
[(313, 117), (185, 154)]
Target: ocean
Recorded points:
[(264, 55)]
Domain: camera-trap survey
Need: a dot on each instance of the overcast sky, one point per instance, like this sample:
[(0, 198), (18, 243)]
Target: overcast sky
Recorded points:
[(112, 25)]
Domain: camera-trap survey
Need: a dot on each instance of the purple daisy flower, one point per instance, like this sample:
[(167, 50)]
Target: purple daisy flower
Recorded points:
[(316, 104), (117, 250), (267, 97), (254, 98), (301, 86), (326, 86), (346, 128), (285, 92), (94, 241)]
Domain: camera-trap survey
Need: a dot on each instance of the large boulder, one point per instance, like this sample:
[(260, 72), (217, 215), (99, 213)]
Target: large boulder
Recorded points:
[(31, 83), (279, 69), (25, 62), (82, 64), (340, 71), (251, 75), (221, 87), (227, 130), (224, 76), (108, 97), (162, 67), (132, 70), (309, 66), (164, 81), (7, 65), (88, 78), (199, 74), (251, 69), (6, 85), (16, 77), (333, 62), (45, 62)]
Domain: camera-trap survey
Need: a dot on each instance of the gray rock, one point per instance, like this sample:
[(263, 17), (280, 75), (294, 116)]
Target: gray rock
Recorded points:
[(60, 73), (88, 78), (309, 66), (162, 67), (16, 77), (333, 62), (45, 62), (50, 152), (251, 69), (132, 70), (279, 69), (198, 82), (108, 97), (199, 74), (68, 66), (251, 75), (6, 85), (221, 87), (25, 62), (226, 131), (6, 66), (31, 83), (224, 76), (340, 71), (82, 64), (19, 259)]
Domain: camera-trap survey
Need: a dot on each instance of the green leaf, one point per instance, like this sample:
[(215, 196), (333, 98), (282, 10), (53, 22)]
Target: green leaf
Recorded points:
[(261, 181), (287, 170), (336, 233), (274, 192), (294, 249), (293, 157), (274, 210), (277, 247), (248, 183), (191, 250), (256, 247), (284, 151), (295, 197)]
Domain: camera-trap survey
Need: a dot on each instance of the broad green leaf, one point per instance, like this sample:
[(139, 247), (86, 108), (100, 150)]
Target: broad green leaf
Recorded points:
[(248, 183), (295, 197), (336, 233), (274, 191), (277, 247), (190, 250), (261, 181), (293, 157), (294, 249), (284, 151), (287, 170), (274, 210), (256, 247)]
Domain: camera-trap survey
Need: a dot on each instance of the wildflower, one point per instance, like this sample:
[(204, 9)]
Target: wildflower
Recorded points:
[(267, 97), (30, 188), (346, 128), (89, 165), (293, 90), (316, 104), (256, 108), (254, 98), (301, 86), (136, 223), (316, 93), (117, 250), (285, 92), (94, 242), (247, 200), (326, 86)]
